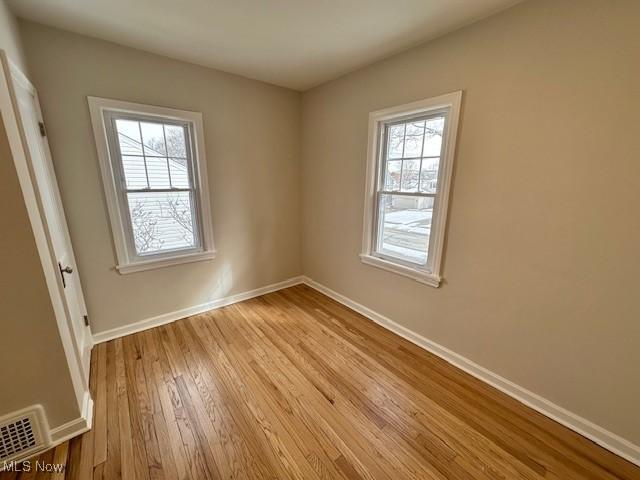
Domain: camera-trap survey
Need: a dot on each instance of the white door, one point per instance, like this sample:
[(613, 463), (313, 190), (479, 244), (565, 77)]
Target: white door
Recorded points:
[(46, 187)]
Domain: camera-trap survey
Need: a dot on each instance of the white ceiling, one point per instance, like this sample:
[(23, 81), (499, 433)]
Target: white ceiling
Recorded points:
[(293, 43)]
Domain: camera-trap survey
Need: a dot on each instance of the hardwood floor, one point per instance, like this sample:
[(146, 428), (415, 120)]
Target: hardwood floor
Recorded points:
[(295, 385)]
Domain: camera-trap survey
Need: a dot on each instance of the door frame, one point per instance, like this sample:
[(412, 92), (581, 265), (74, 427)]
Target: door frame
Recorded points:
[(22, 160)]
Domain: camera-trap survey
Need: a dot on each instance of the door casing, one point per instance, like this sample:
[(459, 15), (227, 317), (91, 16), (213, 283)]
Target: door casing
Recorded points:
[(76, 343)]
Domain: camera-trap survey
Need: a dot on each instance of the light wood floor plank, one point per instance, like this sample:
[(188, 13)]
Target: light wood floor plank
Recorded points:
[(113, 465), (124, 419), (100, 426), (138, 413)]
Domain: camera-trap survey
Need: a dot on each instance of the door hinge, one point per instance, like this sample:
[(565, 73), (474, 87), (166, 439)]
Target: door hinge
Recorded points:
[(43, 131), (86, 320)]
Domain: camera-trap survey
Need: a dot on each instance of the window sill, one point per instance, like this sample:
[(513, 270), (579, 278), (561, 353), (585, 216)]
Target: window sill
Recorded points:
[(415, 274), (165, 262)]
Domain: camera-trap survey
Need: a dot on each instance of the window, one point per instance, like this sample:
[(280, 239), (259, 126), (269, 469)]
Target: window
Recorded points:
[(154, 174), (411, 151)]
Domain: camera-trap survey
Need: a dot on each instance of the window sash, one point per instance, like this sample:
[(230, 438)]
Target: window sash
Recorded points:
[(159, 253), (378, 233), (111, 117), (383, 155), (122, 190)]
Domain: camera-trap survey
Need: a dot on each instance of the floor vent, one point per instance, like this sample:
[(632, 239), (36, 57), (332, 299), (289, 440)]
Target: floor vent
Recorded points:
[(21, 434)]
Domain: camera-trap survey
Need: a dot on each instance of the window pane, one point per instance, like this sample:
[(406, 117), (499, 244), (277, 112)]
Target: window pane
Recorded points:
[(179, 173), (433, 137), (413, 139), (135, 174), (158, 171), (410, 174), (175, 141), (405, 226), (129, 137), (161, 221), (395, 141), (429, 175), (392, 175), (153, 138)]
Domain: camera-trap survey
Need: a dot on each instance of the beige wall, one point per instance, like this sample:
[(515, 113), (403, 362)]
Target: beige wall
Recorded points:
[(10, 37), (33, 367), (252, 143), (542, 259)]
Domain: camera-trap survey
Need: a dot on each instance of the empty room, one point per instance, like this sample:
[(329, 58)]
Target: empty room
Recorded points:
[(320, 239)]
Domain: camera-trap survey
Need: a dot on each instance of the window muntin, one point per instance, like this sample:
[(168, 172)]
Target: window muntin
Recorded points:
[(409, 165), (156, 179)]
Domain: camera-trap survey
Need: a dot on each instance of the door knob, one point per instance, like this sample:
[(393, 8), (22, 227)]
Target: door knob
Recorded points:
[(68, 270)]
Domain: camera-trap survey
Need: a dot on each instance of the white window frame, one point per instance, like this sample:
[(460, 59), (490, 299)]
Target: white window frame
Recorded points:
[(449, 104), (128, 261)]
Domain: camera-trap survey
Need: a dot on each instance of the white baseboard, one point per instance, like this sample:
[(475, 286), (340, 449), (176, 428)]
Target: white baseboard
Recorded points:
[(75, 427), (186, 312), (584, 427)]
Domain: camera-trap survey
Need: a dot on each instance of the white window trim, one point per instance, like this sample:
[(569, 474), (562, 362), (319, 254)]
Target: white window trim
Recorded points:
[(125, 261), (451, 103)]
